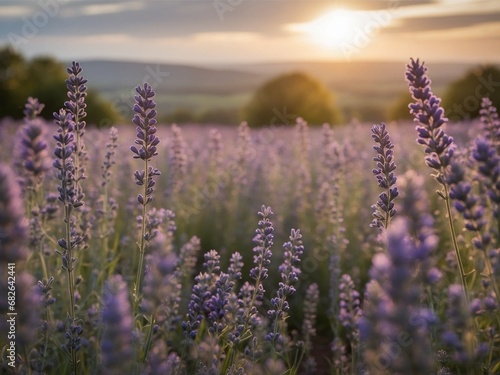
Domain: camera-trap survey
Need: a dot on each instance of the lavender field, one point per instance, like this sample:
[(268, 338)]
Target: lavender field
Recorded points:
[(290, 249)]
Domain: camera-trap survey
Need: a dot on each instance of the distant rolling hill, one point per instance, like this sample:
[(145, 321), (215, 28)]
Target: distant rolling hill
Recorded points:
[(112, 76), (359, 87)]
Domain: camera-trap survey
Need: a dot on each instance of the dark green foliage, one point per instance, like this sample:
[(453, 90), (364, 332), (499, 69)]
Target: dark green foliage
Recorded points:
[(43, 78), (222, 116), (225, 116), (283, 99), (180, 116), (462, 99)]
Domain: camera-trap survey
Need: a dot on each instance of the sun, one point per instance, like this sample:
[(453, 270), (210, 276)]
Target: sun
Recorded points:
[(334, 28)]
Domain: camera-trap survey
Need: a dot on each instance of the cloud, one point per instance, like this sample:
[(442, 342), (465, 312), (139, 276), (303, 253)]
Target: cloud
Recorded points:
[(183, 18), (382, 4), (190, 28), (425, 24), (14, 11), (171, 18)]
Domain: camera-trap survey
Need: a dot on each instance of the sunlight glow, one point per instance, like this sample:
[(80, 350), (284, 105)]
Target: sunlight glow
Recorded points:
[(334, 28)]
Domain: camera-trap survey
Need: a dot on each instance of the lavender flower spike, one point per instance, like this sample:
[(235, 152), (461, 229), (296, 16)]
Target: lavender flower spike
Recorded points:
[(77, 92), (33, 157), (384, 210), (289, 275), (64, 161), (439, 146), (309, 325), (12, 225), (145, 119), (262, 251), (32, 109), (116, 344), (430, 118), (490, 122)]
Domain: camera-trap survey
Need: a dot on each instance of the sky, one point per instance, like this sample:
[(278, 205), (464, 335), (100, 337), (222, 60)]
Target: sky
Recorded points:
[(207, 32)]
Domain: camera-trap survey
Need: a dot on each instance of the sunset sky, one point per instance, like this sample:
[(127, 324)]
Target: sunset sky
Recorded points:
[(204, 32)]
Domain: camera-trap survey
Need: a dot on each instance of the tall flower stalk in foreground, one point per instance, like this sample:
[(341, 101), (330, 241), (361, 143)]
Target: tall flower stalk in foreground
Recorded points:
[(384, 210), (439, 146), (71, 199), (144, 119)]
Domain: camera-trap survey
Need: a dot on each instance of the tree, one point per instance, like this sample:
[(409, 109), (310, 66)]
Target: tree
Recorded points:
[(283, 99), (12, 74), (43, 78), (462, 99)]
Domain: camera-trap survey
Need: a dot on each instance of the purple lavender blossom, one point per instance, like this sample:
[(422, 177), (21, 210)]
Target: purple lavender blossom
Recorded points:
[(235, 266), (430, 118), (44, 287), (199, 297), (289, 275), (246, 312), (28, 302), (262, 251), (350, 306), (33, 152), (212, 262), (108, 157), (310, 310), (458, 335), (77, 92), (485, 154), (215, 150), (468, 204), (188, 258), (116, 343), (145, 120), (13, 255), (393, 307), (12, 224), (178, 162), (384, 210), (490, 122), (32, 109), (71, 197), (309, 326), (32, 157), (474, 207), (63, 163), (217, 305), (439, 146)]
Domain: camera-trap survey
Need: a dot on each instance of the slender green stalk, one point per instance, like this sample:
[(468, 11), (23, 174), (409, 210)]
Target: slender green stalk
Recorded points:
[(149, 339), (71, 283), (456, 248), (142, 244)]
